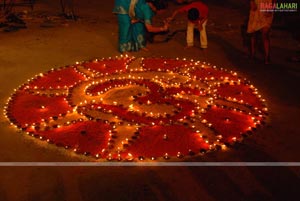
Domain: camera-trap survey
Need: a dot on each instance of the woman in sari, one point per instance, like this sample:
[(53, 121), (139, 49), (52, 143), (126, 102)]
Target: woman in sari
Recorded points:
[(124, 22), (144, 12), (135, 18)]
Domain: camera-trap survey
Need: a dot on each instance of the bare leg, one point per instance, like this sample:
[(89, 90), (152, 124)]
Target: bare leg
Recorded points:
[(252, 45), (266, 42)]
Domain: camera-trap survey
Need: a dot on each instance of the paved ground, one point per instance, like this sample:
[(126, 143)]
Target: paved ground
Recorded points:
[(51, 41)]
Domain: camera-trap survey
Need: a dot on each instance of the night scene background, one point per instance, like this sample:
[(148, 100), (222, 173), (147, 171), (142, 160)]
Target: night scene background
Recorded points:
[(36, 36)]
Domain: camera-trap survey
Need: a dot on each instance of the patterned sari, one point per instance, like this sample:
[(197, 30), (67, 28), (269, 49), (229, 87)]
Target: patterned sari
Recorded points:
[(132, 35), (144, 14), (124, 22)]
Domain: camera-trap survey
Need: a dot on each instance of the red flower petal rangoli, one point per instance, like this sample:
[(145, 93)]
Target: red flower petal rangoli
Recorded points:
[(127, 108)]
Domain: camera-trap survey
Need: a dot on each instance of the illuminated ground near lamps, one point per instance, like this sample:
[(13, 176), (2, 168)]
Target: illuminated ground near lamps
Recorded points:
[(130, 109)]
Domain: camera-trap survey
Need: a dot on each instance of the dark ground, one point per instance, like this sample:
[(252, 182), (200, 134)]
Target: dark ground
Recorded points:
[(51, 41)]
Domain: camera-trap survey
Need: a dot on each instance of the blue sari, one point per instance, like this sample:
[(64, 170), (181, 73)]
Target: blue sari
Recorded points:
[(132, 37), (121, 8), (144, 14)]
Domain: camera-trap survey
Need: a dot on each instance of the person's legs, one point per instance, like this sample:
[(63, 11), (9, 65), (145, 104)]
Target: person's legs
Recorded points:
[(125, 35), (203, 36), (252, 45), (139, 36), (266, 43), (190, 34)]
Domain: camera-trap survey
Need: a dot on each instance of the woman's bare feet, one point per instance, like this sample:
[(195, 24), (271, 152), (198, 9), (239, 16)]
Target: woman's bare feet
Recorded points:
[(145, 49)]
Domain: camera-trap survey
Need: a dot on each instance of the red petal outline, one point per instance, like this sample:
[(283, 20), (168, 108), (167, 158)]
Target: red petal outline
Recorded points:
[(151, 142), (27, 108)]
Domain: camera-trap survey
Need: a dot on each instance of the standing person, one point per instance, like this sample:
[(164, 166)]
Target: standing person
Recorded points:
[(135, 18), (121, 9), (260, 20), (197, 14)]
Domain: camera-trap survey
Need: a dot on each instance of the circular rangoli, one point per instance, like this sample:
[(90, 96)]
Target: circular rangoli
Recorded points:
[(131, 109)]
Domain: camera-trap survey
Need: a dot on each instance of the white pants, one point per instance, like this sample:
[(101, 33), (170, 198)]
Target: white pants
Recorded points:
[(190, 34)]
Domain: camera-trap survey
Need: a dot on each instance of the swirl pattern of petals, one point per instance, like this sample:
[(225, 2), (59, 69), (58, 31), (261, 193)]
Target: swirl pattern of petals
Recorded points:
[(129, 109)]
